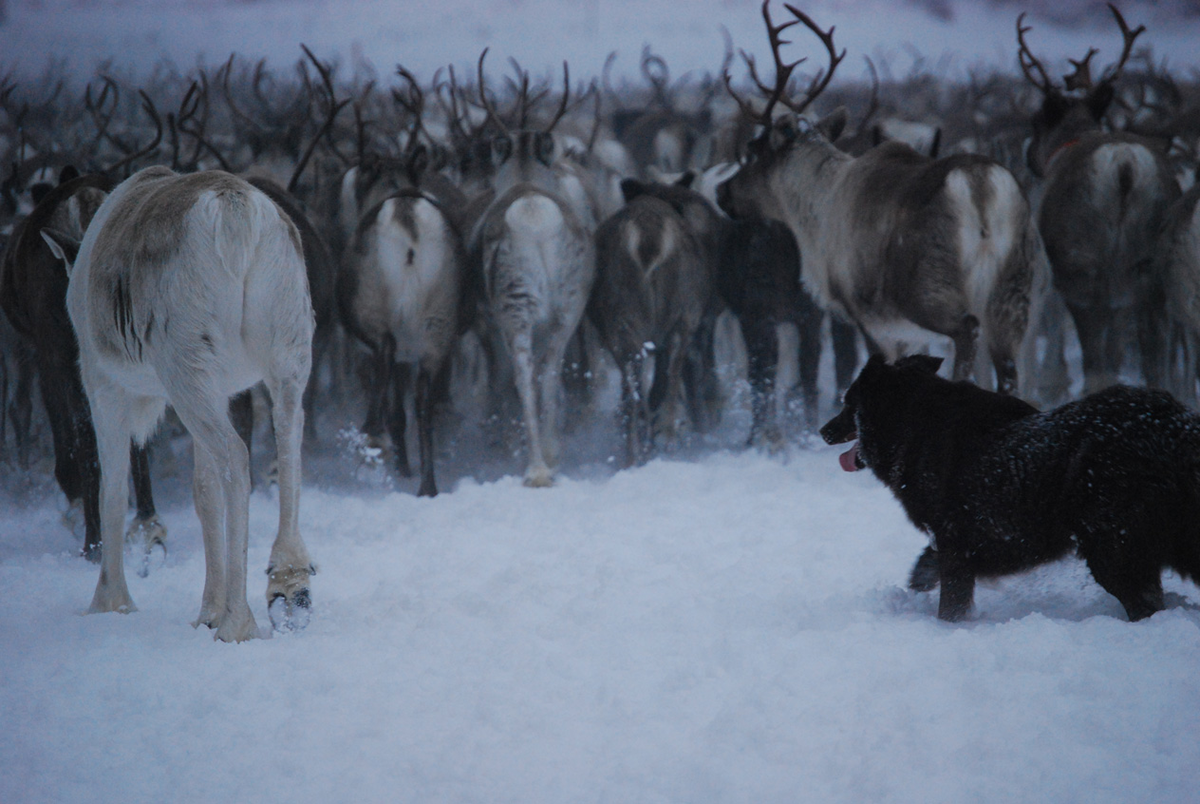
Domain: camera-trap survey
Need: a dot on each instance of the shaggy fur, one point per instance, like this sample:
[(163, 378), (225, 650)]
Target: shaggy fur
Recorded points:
[(1000, 487)]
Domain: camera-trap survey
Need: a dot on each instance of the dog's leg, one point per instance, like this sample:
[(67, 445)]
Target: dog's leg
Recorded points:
[(924, 575), (958, 587), (1138, 589)]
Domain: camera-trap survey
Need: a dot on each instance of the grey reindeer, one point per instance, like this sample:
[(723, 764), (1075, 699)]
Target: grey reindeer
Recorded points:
[(1103, 199), (903, 245), (533, 248)]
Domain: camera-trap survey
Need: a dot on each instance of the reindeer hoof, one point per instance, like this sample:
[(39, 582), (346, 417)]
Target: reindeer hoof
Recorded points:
[(236, 628), (539, 480), (289, 601), (150, 533), (291, 615), (92, 552)]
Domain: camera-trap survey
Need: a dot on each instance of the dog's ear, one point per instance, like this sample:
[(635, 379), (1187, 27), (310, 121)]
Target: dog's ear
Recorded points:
[(926, 363)]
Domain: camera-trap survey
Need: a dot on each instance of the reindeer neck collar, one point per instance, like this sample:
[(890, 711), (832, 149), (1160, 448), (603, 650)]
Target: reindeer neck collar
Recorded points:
[(1060, 149)]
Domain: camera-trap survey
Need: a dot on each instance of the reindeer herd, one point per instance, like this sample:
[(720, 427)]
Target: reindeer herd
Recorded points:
[(319, 235)]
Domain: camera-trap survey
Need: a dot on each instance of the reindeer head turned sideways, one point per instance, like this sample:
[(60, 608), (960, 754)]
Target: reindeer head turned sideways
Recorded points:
[(1079, 104), (778, 137)]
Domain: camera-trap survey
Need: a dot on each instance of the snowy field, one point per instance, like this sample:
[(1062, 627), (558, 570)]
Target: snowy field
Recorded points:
[(717, 626), (720, 626)]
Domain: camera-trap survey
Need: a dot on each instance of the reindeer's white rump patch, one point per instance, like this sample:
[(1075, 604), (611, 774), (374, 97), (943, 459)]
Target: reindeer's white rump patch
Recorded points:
[(413, 267), (1113, 159), (990, 222)]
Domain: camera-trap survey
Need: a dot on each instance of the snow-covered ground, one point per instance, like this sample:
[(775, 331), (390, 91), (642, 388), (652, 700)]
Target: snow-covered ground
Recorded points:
[(718, 625), (721, 626)]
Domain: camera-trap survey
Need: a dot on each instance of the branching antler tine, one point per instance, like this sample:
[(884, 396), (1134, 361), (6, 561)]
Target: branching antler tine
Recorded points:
[(414, 104), (822, 78), (657, 74), (152, 113), (450, 109), (334, 107), (260, 75), (606, 73), (783, 71), (566, 98), (747, 110), (187, 115), (324, 70), (594, 89), (873, 101), (483, 97), (1029, 62), (237, 113), (713, 87), (103, 117), (1129, 37), (1082, 77), (415, 101)]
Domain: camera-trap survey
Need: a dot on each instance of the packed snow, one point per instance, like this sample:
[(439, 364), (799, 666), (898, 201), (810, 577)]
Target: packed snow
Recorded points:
[(714, 626), (719, 625)]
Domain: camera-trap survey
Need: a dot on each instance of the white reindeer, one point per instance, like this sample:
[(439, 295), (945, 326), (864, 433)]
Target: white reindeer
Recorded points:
[(187, 290)]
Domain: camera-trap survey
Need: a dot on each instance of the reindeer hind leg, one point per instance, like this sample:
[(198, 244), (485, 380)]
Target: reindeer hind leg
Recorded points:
[(289, 599), (222, 486), (112, 435)]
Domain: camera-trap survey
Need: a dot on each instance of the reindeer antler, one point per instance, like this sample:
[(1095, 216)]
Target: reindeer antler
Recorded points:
[(1129, 37), (333, 106), (1029, 62), (783, 71), (483, 97), (566, 99), (193, 120), (152, 113), (822, 78), (101, 111), (657, 75), (1081, 77), (413, 103)]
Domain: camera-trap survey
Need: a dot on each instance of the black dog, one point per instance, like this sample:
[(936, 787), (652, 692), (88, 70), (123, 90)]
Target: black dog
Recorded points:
[(1000, 487)]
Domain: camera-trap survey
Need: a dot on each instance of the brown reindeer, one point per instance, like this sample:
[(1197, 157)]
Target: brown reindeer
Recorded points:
[(33, 290), (903, 245), (1103, 198)]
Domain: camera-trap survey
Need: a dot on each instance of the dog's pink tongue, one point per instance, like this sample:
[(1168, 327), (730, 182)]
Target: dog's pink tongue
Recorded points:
[(848, 459)]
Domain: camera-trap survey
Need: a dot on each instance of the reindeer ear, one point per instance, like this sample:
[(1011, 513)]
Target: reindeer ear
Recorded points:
[(1099, 99), (62, 246), (832, 124), (67, 174), (502, 148), (631, 189), (544, 148), (418, 163), (39, 191)]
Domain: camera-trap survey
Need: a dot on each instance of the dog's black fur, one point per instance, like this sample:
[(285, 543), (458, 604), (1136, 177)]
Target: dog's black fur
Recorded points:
[(1000, 487)]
